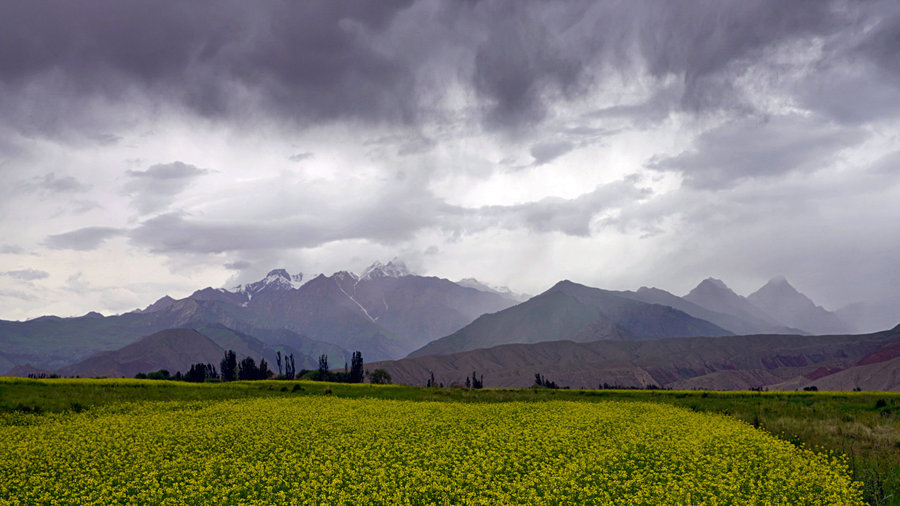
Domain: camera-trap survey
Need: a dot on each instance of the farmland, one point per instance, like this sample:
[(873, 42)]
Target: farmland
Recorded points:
[(143, 441)]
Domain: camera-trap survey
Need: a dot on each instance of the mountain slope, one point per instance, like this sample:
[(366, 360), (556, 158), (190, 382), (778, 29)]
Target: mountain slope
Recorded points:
[(173, 349), (734, 362), (548, 317), (732, 323), (569, 311), (783, 302)]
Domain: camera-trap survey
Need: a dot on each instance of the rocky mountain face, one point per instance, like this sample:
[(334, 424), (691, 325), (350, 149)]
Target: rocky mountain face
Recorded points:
[(726, 363)]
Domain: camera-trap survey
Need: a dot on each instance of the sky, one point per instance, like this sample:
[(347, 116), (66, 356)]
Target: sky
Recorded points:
[(152, 148)]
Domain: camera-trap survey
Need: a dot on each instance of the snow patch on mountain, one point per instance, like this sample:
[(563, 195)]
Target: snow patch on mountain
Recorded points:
[(276, 279), (393, 269)]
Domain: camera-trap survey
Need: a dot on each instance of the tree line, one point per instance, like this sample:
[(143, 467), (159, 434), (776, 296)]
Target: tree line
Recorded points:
[(230, 369)]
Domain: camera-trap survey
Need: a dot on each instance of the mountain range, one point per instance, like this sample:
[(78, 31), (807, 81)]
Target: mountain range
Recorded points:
[(385, 313), (388, 313)]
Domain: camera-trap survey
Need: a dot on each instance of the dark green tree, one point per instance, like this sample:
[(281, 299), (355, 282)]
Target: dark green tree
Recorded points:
[(476, 383), (247, 369), (228, 366), (162, 374), (289, 370), (196, 374), (323, 367), (357, 373), (380, 377), (263, 371)]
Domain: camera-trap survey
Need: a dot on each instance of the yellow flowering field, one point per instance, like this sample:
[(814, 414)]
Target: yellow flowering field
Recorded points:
[(328, 450)]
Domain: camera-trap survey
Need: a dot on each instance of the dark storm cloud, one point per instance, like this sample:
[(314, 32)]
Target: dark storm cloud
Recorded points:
[(708, 42), (882, 41), (26, 274), (314, 61), (752, 148), (521, 65), (82, 239), (155, 188), (309, 60)]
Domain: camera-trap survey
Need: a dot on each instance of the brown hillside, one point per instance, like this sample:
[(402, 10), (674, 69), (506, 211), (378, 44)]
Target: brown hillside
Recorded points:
[(173, 349), (734, 362)]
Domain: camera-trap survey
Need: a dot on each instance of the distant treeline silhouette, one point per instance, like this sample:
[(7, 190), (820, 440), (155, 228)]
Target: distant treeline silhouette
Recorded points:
[(230, 369)]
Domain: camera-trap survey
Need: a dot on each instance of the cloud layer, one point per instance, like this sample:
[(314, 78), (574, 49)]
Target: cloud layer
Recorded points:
[(617, 143)]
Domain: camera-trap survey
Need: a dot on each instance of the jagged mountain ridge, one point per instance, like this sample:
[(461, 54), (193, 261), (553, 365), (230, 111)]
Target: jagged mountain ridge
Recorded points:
[(714, 294), (782, 301), (385, 313)]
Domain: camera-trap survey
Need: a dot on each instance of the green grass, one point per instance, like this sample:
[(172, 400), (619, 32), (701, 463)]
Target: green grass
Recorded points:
[(864, 426)]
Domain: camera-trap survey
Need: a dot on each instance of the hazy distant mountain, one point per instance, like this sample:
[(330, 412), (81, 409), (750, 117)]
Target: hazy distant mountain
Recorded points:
[(871, 316), (504, 291), (727, 321), (178, 349), (783, 302), (730, 362), (173, 349), (715, 295), (569, 311)]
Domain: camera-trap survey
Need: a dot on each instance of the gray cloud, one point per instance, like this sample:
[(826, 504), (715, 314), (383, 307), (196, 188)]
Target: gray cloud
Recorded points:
[(238, 265), (519, 66), (751, 148), (306, 60), (50, 183), (389, 219), (299, 157), (568, 216), (82, 239), (11, 249), (706, 43), (545, 152), (309, 62), (17, 294), (26, 274), (156, 187)]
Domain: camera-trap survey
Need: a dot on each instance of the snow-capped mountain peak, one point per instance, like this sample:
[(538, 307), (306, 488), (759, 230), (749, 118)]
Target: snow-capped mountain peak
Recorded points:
[(276, 279), (394, 269)]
